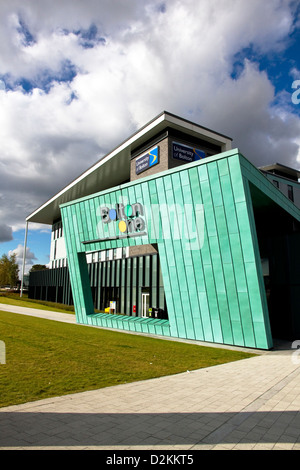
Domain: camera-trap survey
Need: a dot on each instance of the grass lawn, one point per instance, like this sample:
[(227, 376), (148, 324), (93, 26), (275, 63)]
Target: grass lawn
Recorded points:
[(46, 358)]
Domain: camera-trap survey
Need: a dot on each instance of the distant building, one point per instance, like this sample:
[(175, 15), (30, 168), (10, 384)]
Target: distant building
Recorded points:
[(179, 235), (285, 179)]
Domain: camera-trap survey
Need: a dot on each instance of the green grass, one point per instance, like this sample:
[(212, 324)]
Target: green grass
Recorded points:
[(46, 358)]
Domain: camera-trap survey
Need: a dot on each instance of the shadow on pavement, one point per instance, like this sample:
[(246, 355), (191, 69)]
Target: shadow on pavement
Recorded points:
[(22, 429)]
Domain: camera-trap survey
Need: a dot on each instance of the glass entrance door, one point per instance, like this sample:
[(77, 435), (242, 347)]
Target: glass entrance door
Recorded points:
[(145, 304)]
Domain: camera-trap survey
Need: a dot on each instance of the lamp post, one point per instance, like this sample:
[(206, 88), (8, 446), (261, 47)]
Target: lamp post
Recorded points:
[(24, 259)]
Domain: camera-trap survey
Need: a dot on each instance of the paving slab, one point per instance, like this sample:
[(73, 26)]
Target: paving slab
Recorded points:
[(250, 404)]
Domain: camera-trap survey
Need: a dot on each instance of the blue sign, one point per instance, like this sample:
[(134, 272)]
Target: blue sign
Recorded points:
[(185, 153), (147, 161)]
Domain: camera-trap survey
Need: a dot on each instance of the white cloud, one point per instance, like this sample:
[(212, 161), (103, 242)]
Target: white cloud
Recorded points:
[(19, 252), (30, 258), (295, 73), (99, 70)]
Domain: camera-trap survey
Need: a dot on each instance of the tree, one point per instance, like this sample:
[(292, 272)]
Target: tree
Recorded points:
[(38, 267), (9, 270)]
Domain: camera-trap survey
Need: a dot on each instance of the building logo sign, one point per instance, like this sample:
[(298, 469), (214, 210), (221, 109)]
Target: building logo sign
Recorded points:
[(146, 161), (160, 222), (185, 153), (122, 221)]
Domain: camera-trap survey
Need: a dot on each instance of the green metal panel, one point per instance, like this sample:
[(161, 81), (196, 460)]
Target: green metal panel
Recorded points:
[(212, 282)]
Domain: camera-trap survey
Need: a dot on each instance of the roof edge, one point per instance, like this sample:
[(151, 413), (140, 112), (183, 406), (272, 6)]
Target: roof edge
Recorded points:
[(163, 116)]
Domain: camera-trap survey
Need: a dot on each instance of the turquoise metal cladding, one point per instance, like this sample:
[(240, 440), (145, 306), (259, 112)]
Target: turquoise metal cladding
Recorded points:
[(201, 217)]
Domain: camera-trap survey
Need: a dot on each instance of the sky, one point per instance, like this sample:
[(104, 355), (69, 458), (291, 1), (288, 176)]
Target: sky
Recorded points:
[(77, 77)]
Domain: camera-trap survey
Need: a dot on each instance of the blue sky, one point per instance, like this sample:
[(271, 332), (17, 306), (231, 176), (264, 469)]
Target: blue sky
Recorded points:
[(77, 78), (38, 240)]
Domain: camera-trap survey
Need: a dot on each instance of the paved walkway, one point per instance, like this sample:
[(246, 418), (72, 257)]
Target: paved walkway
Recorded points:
[(248, 404)]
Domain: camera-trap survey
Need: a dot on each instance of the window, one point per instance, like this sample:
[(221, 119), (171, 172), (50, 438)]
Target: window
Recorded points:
[(276, 183), (290, 192)]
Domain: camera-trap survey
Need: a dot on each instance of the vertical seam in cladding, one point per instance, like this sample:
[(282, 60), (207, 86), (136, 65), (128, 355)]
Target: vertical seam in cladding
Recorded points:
[(248, 292), (257, 252), (232, 263), (110, 224), (219, 252), (221, 258), (83, 219), (65, 217), (193, 265), (208, 325), (211, 259), (142, 238), (88, 224), (105, 200), (172, 309), (177, 274), (131, 241), (239, 233), (78, 208), (93, 220), (72, 263), (83, 269), (184, 255), (187, 295), (131, 194), (201, 257), (162, 243)]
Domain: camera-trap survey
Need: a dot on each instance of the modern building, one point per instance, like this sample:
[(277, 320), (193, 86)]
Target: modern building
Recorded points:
[(175, 233)]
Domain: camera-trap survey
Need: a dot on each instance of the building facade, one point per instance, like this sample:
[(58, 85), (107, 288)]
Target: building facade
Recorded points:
[(178, 235)]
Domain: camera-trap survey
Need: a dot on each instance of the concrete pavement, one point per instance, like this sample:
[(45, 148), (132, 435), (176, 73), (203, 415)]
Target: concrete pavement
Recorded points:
[(248, 404)]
